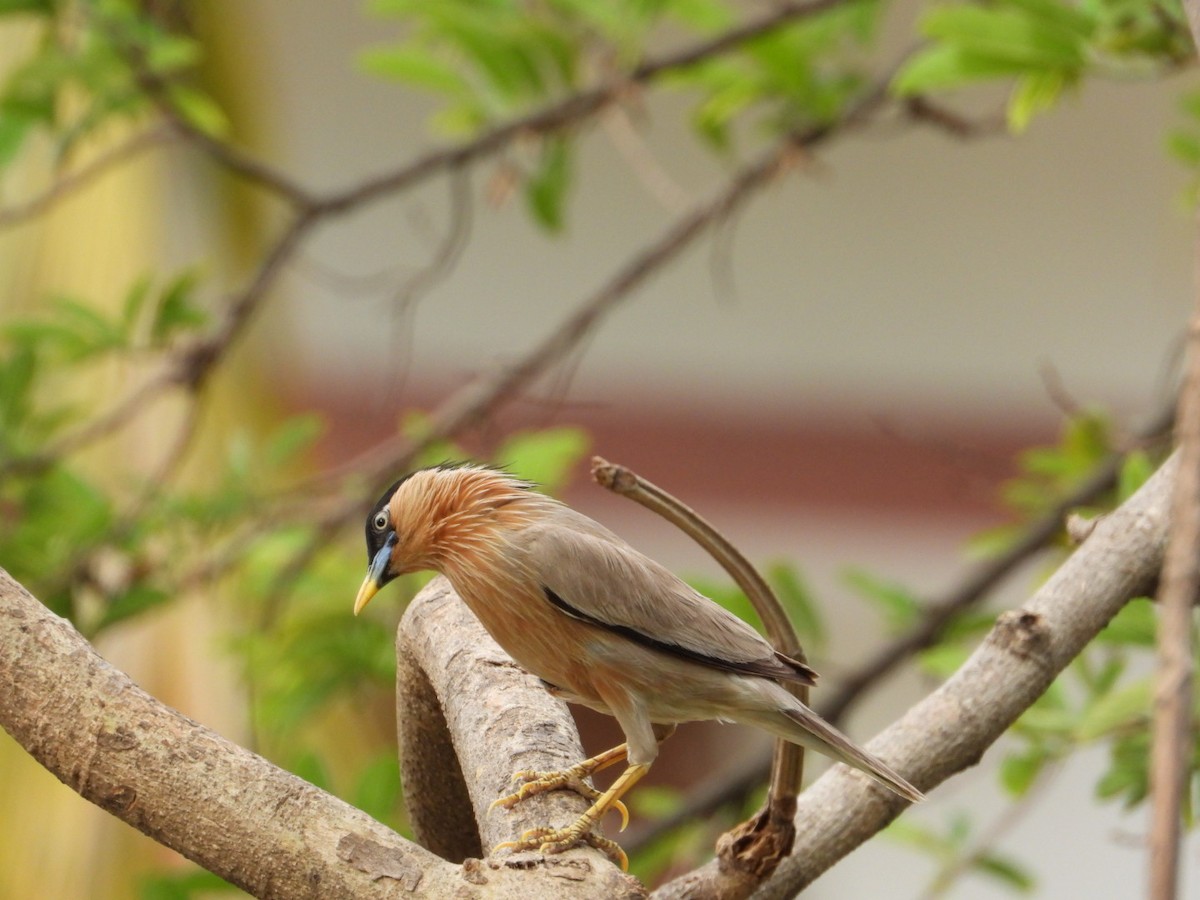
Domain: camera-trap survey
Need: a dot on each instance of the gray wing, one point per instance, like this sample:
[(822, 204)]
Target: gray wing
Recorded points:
[(591, 574)]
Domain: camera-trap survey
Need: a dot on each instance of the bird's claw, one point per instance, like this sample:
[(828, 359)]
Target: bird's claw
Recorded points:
[(555, 840), (566, 779)]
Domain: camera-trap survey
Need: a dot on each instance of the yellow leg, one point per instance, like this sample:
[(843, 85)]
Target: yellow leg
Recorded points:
[(570, 779), (556, 840)]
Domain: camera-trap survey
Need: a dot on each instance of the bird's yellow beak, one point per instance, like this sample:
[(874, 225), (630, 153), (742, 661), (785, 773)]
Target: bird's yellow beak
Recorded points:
[(368, 590), (377, 575)]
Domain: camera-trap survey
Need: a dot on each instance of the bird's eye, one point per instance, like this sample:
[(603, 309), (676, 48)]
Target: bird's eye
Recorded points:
[(381, 521)]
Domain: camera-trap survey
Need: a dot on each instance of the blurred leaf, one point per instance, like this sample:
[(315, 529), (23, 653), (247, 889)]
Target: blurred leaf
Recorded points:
[(546, 189), (1136, 469), (185, 885), (545, 457), (899, 607), (1034, 93), (1018, 771), (797, 599), (1007, 871), (656, 801), (18, 6), (943, 660), (198, 109), (176, 310), (417, 66), (378, 790), (1118, 709), (133, 602), (309, 766), (293, 437), (1136, 624)]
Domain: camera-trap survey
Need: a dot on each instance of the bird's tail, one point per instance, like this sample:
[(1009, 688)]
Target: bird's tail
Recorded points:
[(801, 725)]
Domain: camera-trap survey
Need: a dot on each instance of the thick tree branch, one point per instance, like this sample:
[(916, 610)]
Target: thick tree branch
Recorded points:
[(188, 788), (500, 720), (952, 728), (229, 810)]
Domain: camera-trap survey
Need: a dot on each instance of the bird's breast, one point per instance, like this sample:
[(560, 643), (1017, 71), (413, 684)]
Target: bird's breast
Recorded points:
[(542, 640)]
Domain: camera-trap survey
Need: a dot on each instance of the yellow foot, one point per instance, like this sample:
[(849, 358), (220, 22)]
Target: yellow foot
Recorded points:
[(571, 779), (556, 840)]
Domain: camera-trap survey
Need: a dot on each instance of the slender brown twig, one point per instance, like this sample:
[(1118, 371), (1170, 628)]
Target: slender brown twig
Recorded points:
[(75, 181), (1171, 727), (767, 837)]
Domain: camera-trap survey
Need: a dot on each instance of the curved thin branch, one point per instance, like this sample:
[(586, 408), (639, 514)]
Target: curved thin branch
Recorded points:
[(758, 844), (73, 182), (573, 108), (951, 729)]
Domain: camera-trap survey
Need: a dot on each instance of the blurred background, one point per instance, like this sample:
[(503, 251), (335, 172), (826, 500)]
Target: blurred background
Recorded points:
[(841, 378)]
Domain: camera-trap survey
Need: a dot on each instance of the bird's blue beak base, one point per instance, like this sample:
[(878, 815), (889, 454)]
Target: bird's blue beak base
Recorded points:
[(377, 575)]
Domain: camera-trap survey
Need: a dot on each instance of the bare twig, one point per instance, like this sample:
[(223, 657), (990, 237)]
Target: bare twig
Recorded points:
[(1178, 588), (73, 182), (189, 365), (573, 108), (755, 846), (978, 583)]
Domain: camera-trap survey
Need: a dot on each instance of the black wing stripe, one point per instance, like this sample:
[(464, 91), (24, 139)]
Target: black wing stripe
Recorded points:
[(767, 668)]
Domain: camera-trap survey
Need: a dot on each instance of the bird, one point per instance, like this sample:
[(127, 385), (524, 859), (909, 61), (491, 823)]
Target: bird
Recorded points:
[(599, 623)]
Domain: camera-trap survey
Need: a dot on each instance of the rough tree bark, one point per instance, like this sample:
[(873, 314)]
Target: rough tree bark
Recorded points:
[(228, 809), (279, 837)]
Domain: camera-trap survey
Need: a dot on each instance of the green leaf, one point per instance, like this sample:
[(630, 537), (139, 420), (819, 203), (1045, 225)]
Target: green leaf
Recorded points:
[(416, 66), (944, 66), (43, 7), (1116, 710), (309, 766), (656, 801), (13, 132), (198, 110), (378, 790), (944, 660), (1019, 771), (138, 599), (176, 311), (1006, 34), (1137, 467), (797, 599), (546, 190), (899, 607), (1034, 93), (295, 436), (1136, 624), (545, 457), (1006, 870), (188, 885)]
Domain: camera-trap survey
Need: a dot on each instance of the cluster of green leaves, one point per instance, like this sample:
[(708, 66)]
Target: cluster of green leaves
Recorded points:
[(89, 64), (57, 516), (786, 80), (1043, 47), (1102, 698), (955, 850), (493, 59)]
